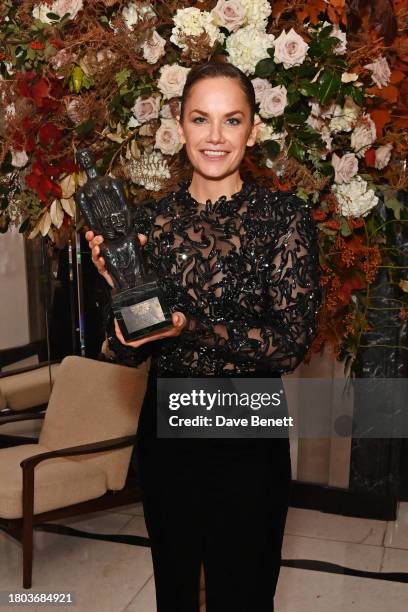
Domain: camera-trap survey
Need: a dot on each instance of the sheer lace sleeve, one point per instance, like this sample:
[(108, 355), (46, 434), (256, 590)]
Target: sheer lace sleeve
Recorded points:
[(276, 334)]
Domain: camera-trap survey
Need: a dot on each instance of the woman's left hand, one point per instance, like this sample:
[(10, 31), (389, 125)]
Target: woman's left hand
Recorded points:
[(179, 323)]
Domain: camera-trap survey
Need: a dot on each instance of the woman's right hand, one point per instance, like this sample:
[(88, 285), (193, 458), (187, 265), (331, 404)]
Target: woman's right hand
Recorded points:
[(98, 260)]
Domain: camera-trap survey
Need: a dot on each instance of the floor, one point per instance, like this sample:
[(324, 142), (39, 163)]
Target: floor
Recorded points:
[(117, 576)]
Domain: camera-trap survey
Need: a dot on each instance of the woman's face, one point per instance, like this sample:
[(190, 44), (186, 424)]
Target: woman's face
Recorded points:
[(216, 127)]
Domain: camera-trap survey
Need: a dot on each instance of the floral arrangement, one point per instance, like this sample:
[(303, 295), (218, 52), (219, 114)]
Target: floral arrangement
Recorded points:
[(332, 93)]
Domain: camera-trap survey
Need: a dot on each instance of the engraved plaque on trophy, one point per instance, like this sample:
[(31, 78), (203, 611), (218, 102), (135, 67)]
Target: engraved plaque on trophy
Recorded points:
[(137, 299)]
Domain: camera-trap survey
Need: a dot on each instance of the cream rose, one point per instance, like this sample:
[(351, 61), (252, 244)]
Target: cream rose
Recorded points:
[(345, 167), (260, 86), (354, 199), (229, 14), (153, 49), (167, 137), (341, 48), (345, 118), (146, 109), (18, 158), (380, 72), (172, 80), (364, 134), (273, 102), (383, 156), (290, 49)]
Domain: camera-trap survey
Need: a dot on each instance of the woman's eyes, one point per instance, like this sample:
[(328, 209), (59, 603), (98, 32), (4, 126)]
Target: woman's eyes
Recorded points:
[(201, 120)]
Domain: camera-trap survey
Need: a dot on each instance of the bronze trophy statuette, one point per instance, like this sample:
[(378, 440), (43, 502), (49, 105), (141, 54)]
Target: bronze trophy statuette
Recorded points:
[(137, 299)]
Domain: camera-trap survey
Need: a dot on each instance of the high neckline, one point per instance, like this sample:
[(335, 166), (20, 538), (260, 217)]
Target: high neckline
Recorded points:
[(222, 205)]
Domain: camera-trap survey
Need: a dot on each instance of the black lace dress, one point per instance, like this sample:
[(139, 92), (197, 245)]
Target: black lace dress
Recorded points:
[(244, 271)]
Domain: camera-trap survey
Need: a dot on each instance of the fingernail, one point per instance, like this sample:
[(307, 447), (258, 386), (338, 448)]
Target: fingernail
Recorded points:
[(176, 319)]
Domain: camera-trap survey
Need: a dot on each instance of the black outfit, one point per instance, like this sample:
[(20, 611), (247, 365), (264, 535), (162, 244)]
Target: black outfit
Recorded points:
[(244, 271)]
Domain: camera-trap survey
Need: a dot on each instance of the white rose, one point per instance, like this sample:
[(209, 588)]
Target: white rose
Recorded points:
[(260, 86), (247, 46), (167, 137), (345, 167), (354, 199), (229, 14), (290, 49), (172, 80), (18, 158), (341, 48), (383, 156), (364, 134), (135, 11), (345, 118), (380, 72), (153, 49), (60, 8), (273, 102), (146, 109), (193, 22)]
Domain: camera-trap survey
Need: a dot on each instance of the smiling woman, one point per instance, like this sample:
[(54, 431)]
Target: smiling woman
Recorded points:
[(239, 267)]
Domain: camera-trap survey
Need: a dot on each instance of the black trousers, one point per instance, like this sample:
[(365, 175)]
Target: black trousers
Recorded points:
[(221, 503)]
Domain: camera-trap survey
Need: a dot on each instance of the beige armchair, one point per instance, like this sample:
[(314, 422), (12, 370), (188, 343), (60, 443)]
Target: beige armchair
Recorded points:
[(81, 461)]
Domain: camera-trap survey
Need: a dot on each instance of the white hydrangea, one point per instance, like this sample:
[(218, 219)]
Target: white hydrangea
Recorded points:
[(344, 118), (257, 12), (354, 199), (247, 47), (150, 170), (193, 22)]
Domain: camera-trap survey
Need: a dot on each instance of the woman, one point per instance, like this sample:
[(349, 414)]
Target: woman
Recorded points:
[(239, 267)]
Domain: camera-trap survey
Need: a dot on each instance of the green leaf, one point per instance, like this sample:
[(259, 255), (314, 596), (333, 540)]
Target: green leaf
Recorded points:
[(122, 76), (344, 227), (357, 94), (297, 150), (265, 68), (306, 88), (272, 147), (391, 201), (330, 83), (53, 16)]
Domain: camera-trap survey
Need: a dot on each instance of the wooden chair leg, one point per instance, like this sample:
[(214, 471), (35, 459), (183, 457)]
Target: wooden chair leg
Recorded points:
[(27, 541)]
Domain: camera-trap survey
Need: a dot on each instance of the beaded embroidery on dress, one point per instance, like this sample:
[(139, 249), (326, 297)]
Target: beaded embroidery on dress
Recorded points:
[(245, 272)]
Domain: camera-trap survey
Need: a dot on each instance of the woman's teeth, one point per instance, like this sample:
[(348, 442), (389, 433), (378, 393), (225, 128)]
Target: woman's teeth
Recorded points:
[(215, 153)]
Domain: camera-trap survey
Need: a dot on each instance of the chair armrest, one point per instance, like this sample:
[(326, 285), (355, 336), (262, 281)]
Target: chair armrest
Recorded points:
[(35, 366), (21, 417), (113, 443), (16, 353)]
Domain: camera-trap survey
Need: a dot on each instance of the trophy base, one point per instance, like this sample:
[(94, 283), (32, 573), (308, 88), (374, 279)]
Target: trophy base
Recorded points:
[(141, 310)]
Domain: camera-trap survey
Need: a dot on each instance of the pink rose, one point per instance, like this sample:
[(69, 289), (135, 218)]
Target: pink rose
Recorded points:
[(383, 156), (172, 80), (146, 109), (229, 14), (380, 72), (153, 49), (167, 137), (345, 167), (364, 134), (260, 87), (273, 102), (290, 49)]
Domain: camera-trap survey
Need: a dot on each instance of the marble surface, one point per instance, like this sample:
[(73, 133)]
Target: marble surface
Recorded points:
[(116, 577)]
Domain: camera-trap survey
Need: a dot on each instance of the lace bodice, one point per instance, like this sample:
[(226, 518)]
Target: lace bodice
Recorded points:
[(243, 270)]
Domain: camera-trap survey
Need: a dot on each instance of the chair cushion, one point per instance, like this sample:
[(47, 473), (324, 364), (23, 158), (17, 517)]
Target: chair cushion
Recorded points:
[(58, 482), (93, 401), (28, 389)]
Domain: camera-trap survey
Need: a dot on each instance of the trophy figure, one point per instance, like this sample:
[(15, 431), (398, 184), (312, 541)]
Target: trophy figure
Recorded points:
[(137, 300)]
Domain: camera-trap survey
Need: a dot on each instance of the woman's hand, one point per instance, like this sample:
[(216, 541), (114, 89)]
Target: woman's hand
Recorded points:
[(98, 260), (179, 323)]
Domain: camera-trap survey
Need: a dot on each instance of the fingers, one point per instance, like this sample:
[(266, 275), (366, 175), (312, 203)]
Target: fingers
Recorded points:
[(142, 239), (179, 319)]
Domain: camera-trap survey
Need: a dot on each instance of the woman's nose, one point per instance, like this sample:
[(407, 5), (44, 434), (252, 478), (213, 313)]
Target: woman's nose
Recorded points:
[(215, 133)]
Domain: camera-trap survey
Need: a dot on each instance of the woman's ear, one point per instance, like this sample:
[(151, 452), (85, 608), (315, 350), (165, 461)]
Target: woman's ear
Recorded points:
[(254, 131), (180, 130)]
